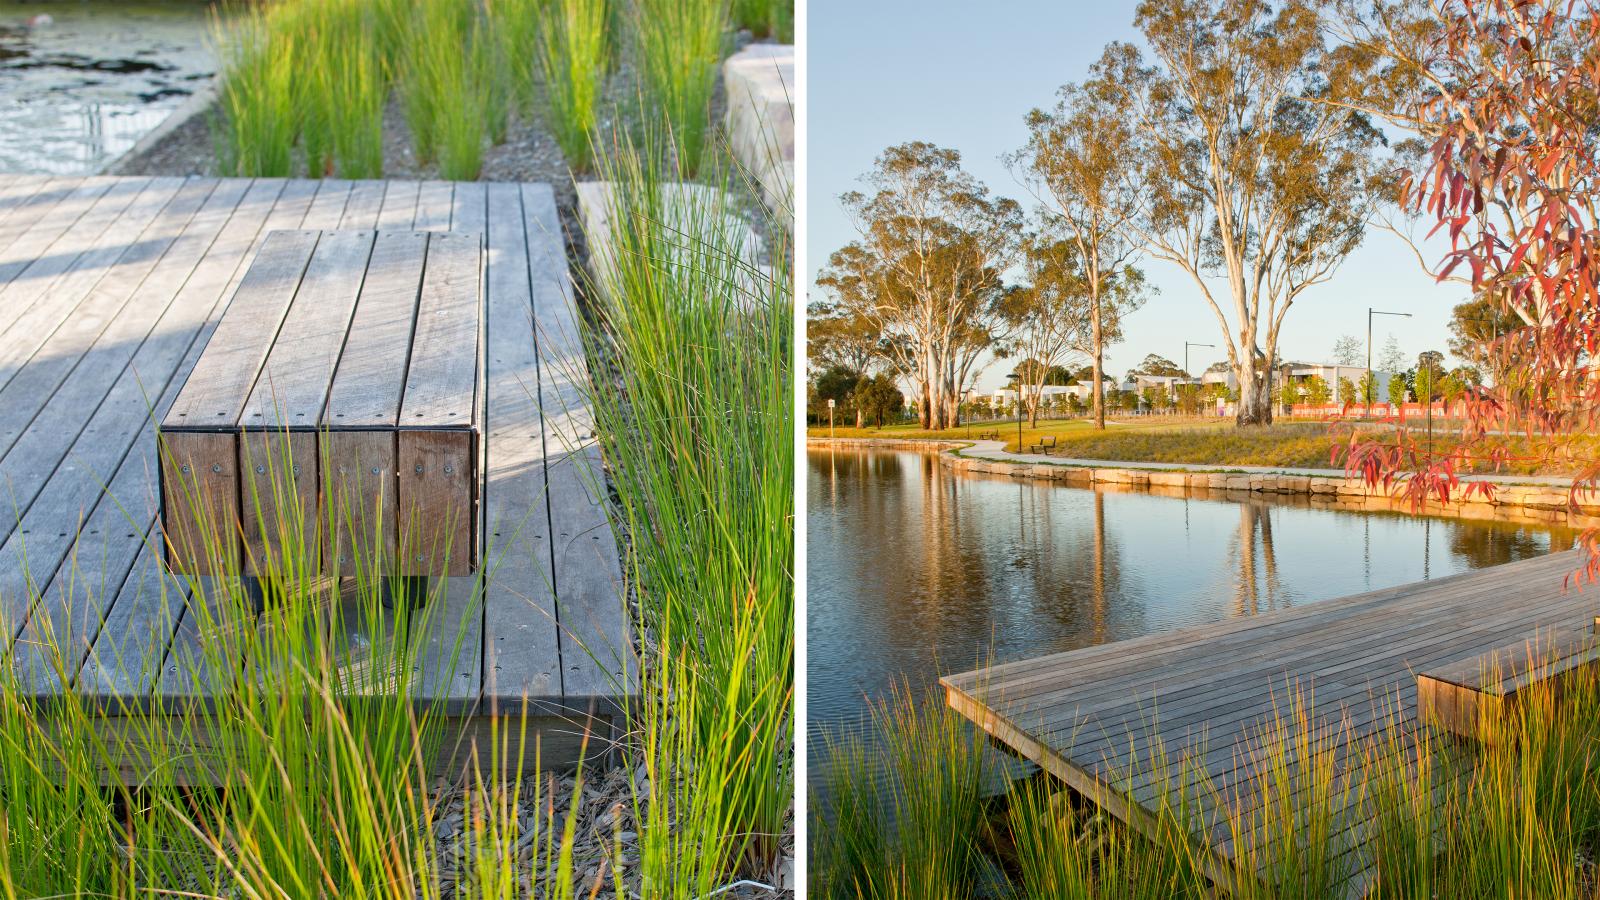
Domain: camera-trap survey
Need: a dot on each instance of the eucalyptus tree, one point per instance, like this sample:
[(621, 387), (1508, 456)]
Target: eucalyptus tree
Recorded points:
[(1047, 316), (926, 269), (1255, 167), (1079, 164), (840, 335)]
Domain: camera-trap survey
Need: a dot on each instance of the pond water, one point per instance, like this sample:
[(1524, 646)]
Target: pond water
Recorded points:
[(914, 570), (81, 81)]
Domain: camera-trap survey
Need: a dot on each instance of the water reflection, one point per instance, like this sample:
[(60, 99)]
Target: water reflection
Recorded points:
[(914, 570), (82, 81)]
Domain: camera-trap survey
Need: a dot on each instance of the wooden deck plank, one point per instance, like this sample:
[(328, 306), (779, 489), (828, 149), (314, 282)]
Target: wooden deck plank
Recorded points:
[(36, 249), (450, 663), (29, 205), (271, 204), (241, 340), (399, 206), (364, 206), (368, 384), (135, 240), (597, 665), (292, 387), (326, 211), (435, 206), (521, 643), (441, 379), (127, 657), (73, 264)]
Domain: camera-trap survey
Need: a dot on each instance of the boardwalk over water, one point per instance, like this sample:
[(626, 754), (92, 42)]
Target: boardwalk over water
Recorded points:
[(1215, 695), (109, 290)]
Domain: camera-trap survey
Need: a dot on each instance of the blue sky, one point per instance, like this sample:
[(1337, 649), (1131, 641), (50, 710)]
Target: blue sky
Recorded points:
[(963, 75)]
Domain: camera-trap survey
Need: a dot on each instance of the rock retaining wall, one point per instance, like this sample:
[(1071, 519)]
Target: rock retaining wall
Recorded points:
[(1542, 503)]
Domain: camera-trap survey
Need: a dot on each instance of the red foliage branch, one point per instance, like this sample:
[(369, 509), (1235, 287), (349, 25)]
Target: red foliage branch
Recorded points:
[(1513, 178)]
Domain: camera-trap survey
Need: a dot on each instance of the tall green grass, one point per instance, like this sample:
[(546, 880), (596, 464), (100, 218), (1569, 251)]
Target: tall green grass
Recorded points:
[(900, 817), (678, 45), (1512, 813), (766, 18), (256, 124), (305, 769), (572, 57), (691, 394)]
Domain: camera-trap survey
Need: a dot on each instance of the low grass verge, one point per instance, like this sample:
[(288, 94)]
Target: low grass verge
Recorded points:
[(1515, 813)]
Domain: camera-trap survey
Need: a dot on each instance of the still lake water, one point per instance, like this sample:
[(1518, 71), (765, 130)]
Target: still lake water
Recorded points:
[(81, 81), (915, 571)]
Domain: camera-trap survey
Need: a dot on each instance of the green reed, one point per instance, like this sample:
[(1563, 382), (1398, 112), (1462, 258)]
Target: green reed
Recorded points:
[(678, 46), (766, 18), (689, 383), (256, 123), (572, 56)]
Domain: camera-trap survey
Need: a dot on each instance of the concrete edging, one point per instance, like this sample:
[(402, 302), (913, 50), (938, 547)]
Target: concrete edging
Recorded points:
[(197, 103)]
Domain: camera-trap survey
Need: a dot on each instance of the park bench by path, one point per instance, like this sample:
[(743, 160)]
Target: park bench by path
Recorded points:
[(335, 404), (1043, 445)]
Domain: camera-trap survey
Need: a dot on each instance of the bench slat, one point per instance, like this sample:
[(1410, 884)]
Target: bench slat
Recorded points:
[(293, 385), (441, 383), (1464, 696)]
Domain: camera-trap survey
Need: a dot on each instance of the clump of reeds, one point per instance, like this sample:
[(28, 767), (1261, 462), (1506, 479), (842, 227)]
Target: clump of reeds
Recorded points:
[(678, 46), (440, 82), (256, 124), (692, 400), (359, 90), (572, 56), (899, 813), (766, 18)]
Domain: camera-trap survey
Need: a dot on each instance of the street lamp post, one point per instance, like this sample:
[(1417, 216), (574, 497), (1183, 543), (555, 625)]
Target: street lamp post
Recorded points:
[(1186, 346), (1374, 379)]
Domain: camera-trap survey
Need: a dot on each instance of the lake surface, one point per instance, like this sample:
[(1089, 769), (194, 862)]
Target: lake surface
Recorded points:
[(81, 81), (914, 570)]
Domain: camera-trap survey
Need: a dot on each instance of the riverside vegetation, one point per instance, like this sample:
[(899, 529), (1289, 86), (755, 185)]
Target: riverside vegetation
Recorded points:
[(305, 82), (1515, 813)]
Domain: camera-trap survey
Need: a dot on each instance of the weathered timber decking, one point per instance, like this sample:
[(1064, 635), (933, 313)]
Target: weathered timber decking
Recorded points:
[(109, 290), (1210, 699)]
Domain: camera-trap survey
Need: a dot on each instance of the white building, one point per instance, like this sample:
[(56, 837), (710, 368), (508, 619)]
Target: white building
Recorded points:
[(1333, 374)]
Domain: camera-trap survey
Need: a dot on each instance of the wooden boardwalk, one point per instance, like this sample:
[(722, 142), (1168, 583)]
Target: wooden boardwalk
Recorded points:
[(109, 290), (1217, 698)]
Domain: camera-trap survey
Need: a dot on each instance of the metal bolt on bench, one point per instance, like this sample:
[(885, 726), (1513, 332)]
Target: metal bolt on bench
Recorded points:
[(334, 410)]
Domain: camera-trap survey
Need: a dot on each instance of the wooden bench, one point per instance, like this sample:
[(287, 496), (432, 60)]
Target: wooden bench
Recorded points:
[(1044, 445), (1470, 696), (334, 414)]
